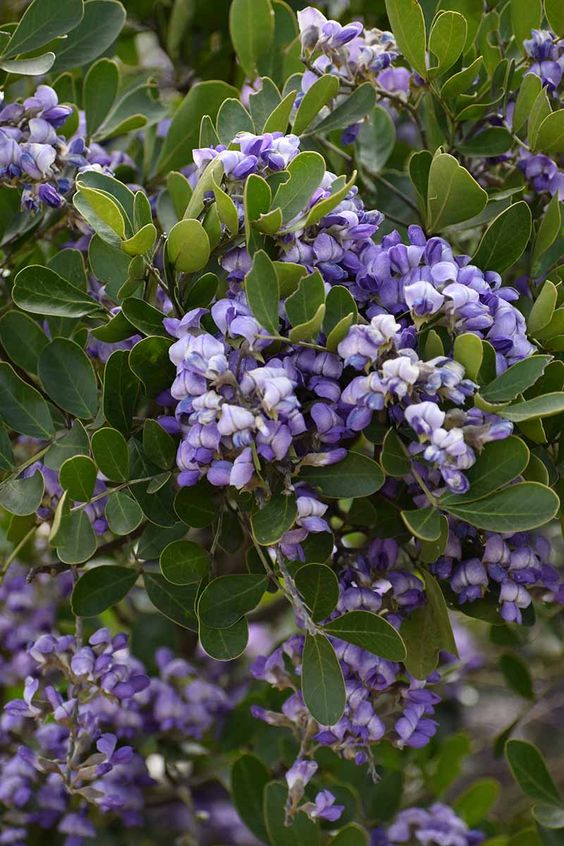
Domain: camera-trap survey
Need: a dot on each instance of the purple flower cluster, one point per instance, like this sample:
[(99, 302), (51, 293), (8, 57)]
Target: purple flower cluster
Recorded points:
[(348, 51), (53, 492), (547, 53), (437, 825), (32, 155), (510, 565), (542, 173)]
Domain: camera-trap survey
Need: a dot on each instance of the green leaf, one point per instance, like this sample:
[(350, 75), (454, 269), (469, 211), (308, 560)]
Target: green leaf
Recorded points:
[(340, 304), (150, 362), (424, 523), (280, 117), (370, 632), (305, 302), (188, 246), (22, 408), (204, 98), (22, 496), (549, 816), (356, 106), (454, 195), (306, 174), (264, 102), (225, 644), (491, 142), (427, 631), (37, 66), (78, 476), (123, 513), (100, 26), (376, 140), (144, 317), (460, 82), (351, 835), (530, 772), (102, 212), (408, 25), (231, 119), (271, 522), (121, 389), (528, 92), (469, 352), (357, 475), (227, 598), (251, 27), (100, 588), (548, 230), (515, 379), (544, 406), (227, 210), (419, 168), (195, 505), (323, 207), (22, 339), (448, 767), (76, 541), (109, 449), (526, 15), (474, 804), (446, 40), (159, 446), (319, 588), (315, 98), (249, 778), (184, 562), (73, 442), (540, 110), (517, 508), (263, 294), (393, 456), (302, 831), (310, 329), (41, 22), (323, 687), (498, 463), (68, 377), (517, 675), (431, 550), (99, 92), (505, 239), (542, 311), (154, 539), (174, 601), (6, 455), (42, 291), (555, 14), (550, 137), (141, 242)]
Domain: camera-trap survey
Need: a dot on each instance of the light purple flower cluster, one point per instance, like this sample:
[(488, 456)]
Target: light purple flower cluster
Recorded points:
[(348, 51), (272, 151), (547, 53), (437, 825), (323, 807), (542, 173), (509, 566), (32, 155)]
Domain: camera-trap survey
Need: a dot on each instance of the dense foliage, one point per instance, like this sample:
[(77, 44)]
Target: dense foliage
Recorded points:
[(281, 403)]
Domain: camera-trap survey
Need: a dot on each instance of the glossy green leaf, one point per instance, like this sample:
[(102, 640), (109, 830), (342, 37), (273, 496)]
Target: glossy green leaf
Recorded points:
[(121, 390), (530, 772), (100, 26), (526, 15), (36, 66), (123, 513), (515, 379), (188, 246), (408, 25), (323, 688), (517, 675), (149, 360), (549, 816), (227, 598), (100, 588), (78, 476), (304, 304), (22, 496), (376, 140), (231, 119), (544, 406), (460, 82), (76, 541), (526, 96), (555, 14), (71, 442), (195, 505), (469, 352), (274, 519), (22, 408), (42, 291), (350, 835), (99, 92), (159, 446), (109, 449), (498, 463), (446, 40), (357, 475), (355, 107), (68, 377), (427, 631), (370, 632), (251, 26), (474, 804), (41, 22), (517, 508), (548, 230), (505, 239), (306, 173), (424, 523), (302, 831), (184, 562), (249, 778), (224, 644), (174, 601), (454, 195), (261, 286), (550, 137), (315, 98), (22, 339), (319, 588)]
